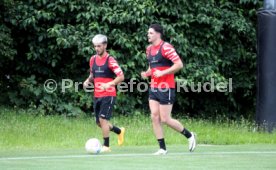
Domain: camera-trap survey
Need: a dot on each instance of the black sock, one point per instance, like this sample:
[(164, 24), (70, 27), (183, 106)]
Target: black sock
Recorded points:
[(106, 141), (162, 144), (115, 130), (186, 133)]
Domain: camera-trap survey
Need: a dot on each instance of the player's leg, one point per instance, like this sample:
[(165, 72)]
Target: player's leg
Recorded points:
[(107, 108), (165, 117), (157, 127), (155, 118), (119, 131), (155, 115), (165, 114), (103, 119), (96, 106), (166, 100), (105, 130)]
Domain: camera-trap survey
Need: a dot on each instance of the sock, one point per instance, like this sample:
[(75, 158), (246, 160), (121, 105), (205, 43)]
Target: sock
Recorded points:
[(162, 144), (106, 141), (115, 130), (186, 133)]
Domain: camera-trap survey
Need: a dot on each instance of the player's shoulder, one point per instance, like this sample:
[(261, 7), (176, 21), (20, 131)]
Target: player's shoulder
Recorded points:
[(92, 57), (91, 61), (167, 45), (111, 57), (148, 47)]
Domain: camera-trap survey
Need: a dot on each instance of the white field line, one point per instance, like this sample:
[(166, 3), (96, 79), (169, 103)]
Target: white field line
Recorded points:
[(133, 155)]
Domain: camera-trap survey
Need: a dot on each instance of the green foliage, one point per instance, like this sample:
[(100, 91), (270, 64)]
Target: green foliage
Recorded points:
[(7, 52), (7, 49), (215, 39), (34, 96)]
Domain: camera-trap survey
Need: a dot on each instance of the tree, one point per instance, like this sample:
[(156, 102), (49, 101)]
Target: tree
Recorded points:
[(216, 40)]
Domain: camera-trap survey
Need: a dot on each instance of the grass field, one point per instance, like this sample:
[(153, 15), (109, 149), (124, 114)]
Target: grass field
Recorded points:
[(22, 130), (28, 141), (140, 157)]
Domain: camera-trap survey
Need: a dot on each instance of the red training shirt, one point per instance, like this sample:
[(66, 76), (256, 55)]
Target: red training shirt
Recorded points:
[(113, 66), (167, 51)]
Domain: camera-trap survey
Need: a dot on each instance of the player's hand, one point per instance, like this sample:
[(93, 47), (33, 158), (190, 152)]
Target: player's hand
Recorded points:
[(144, 75), (86, 83), (158, 73), (105, 86)]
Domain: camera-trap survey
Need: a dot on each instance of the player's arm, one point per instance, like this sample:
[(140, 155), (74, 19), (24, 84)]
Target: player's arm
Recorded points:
[(114, 66), (177, 65), (145, 74), (169, 52), (117, 80), (90, 79)]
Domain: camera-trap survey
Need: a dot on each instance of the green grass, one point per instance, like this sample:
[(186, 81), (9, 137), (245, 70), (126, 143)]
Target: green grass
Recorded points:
[(21, 130), (57, 142), (257, 156)]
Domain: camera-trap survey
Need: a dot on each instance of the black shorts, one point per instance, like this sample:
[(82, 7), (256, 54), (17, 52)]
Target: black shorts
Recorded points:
[(103, 107), (163, 96)]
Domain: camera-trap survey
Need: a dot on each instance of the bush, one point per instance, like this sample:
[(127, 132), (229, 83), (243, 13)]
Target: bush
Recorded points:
[(216, 40)]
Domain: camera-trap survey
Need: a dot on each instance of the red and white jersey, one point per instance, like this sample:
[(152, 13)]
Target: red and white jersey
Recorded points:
[(113, 66), (168, 52)]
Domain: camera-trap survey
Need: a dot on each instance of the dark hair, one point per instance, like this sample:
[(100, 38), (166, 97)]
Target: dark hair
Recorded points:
[(157, 28)]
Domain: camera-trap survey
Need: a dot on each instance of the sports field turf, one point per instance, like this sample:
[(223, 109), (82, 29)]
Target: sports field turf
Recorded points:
[(257, 156)]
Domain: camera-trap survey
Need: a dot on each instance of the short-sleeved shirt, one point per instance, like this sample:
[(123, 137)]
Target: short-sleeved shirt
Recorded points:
[(113, 66), (168, 52)]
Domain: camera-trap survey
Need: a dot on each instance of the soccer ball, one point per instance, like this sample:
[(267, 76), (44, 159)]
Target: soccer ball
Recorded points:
[(93, 146)]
